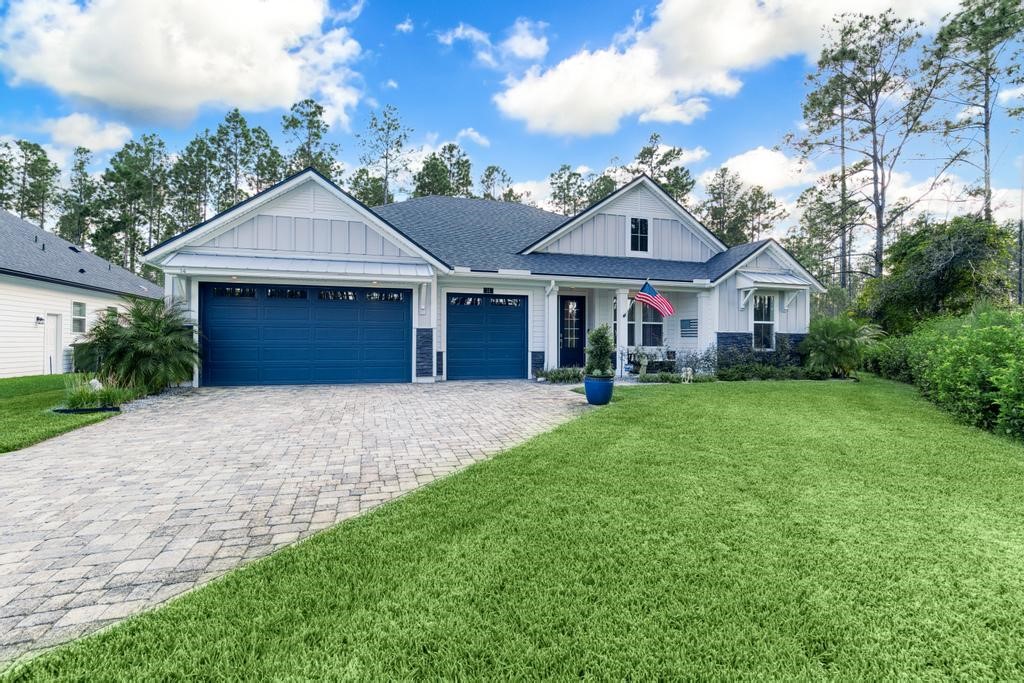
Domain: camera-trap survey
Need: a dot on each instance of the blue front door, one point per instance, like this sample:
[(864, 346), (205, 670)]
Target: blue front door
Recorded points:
[(286, 334), (486, 336), (572, 331)]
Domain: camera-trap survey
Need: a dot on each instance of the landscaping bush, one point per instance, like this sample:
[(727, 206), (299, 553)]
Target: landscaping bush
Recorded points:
[(763, 371), (149, 346), (973, 366), (78, 394), (702, 362), (600, 351), (962, 363), (660, 378), (561, 375), (836, 345)]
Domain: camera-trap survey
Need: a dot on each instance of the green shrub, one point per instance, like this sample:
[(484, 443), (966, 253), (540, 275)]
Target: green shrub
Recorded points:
[(148, 346), (1010, 395), (836, 345), (702, 362), (890, 358), (764, 371), (962, 363), (660, 378), (600, 351), (561, 375)]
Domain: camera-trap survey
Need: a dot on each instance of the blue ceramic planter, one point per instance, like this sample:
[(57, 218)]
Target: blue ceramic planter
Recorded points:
[(598, 390)]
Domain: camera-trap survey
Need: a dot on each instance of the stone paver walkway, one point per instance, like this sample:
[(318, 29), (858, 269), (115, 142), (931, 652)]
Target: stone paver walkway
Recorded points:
[(116, 517)]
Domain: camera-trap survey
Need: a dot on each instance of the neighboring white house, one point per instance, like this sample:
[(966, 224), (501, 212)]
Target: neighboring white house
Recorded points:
[(50, 292), (302, 283)]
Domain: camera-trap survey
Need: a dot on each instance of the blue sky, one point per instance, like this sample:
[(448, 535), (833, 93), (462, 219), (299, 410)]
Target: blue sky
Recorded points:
[(530, 85)]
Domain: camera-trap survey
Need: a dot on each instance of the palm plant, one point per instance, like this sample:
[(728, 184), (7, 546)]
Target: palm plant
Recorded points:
[(148, 346), (837, 344)]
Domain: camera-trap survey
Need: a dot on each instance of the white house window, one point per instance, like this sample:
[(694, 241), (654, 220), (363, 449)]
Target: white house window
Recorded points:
[(653, 328), (764, 322), (77, 316), (638, 234)]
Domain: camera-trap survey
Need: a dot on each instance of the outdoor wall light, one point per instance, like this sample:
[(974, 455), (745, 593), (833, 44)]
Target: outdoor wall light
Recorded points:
[(40, 320)]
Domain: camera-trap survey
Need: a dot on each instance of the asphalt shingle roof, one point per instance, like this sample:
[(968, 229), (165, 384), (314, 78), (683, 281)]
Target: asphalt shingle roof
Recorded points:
[(22, 254), (486, 235)]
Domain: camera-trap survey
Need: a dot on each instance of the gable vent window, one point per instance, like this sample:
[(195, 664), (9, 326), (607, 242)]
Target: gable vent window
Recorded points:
[(377, 295), (285, 293), (638, 234), (460, 300), (235, 292), (77, 316), (688, 328), (337, 295)]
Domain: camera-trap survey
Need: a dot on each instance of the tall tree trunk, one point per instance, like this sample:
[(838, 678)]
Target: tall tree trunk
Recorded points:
[(877, 197), (987, 152), (843, 226)]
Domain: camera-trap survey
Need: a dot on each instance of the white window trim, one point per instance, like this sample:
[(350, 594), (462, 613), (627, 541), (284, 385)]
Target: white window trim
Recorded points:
[(650, 222), (774, 322), (75, 318)]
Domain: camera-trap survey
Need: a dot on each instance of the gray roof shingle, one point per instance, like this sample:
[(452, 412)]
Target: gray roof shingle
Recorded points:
[(486, 235), (22, 254)]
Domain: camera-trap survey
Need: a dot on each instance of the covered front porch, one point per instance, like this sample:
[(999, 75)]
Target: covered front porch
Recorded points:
[(640, 331)]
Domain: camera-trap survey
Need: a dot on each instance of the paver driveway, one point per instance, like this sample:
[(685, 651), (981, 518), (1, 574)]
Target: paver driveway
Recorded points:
[(109, 520)]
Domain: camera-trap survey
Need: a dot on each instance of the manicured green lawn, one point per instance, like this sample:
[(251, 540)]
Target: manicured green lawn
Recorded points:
[(772, 530), (25, 416)]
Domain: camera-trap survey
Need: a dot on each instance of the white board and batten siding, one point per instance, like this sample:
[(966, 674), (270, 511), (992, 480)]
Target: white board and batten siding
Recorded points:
[(22, 300), (306, 220), (608, 233), (732, 319)]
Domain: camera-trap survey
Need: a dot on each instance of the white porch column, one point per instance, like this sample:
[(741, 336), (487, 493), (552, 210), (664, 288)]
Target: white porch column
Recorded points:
[(707, 319), (551, 326), (168, 288), (621, 330)]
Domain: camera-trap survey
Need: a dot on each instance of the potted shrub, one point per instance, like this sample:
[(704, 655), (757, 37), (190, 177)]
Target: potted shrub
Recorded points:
[(598, 378)]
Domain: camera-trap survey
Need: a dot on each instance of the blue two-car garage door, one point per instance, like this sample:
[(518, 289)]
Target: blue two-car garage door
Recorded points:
[(486, 336), (285, 334)]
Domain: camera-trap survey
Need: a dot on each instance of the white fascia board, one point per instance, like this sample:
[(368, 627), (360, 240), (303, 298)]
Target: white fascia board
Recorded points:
[(572, 279), (264, 277)]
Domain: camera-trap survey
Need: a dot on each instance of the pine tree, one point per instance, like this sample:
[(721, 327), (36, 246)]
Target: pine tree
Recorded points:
[(190, 182), (304, 125), (663, 163), (35, 178), (383, 146), (432, 178), (79, 200), (722, 210), (7, 192), (234, 156), (568, 190), (460, 173), (268, 165), (368, 188)]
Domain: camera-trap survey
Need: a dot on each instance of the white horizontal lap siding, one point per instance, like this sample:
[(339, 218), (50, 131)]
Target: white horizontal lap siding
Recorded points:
[(21, 339)]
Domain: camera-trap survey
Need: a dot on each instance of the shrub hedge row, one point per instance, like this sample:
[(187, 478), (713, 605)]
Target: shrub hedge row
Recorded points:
[(972, 366)]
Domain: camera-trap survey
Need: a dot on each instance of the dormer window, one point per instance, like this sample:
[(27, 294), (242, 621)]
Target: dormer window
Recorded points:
[(638, 235)]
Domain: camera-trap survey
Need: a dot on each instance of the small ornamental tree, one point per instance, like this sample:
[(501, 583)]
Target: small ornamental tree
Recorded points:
[(599, 352)]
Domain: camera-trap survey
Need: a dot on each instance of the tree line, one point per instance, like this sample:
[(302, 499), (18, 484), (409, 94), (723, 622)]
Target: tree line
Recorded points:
[(881, 93)]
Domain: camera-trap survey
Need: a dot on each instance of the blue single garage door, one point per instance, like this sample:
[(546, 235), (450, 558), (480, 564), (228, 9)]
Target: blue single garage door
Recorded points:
[(285, 334), (486, 336)]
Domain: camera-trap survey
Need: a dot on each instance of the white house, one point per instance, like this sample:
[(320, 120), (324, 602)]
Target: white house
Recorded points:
[(302, 283), (50, 292)]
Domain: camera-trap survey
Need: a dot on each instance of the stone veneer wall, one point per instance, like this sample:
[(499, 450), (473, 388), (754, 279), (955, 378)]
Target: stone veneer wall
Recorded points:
[(424, 352), (536, 360)]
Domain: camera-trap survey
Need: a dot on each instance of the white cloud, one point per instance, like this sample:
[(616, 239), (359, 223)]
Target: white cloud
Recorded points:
[(689, 50), (349, 15), (171, 57), (405, 26), (480, 40), (1011, 94), (473, 135), (769, 168), (391, 84), (526, 40), (83, 130), (537, 191)]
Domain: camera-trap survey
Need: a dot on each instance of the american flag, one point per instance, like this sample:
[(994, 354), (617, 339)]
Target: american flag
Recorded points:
[(649, 295)]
